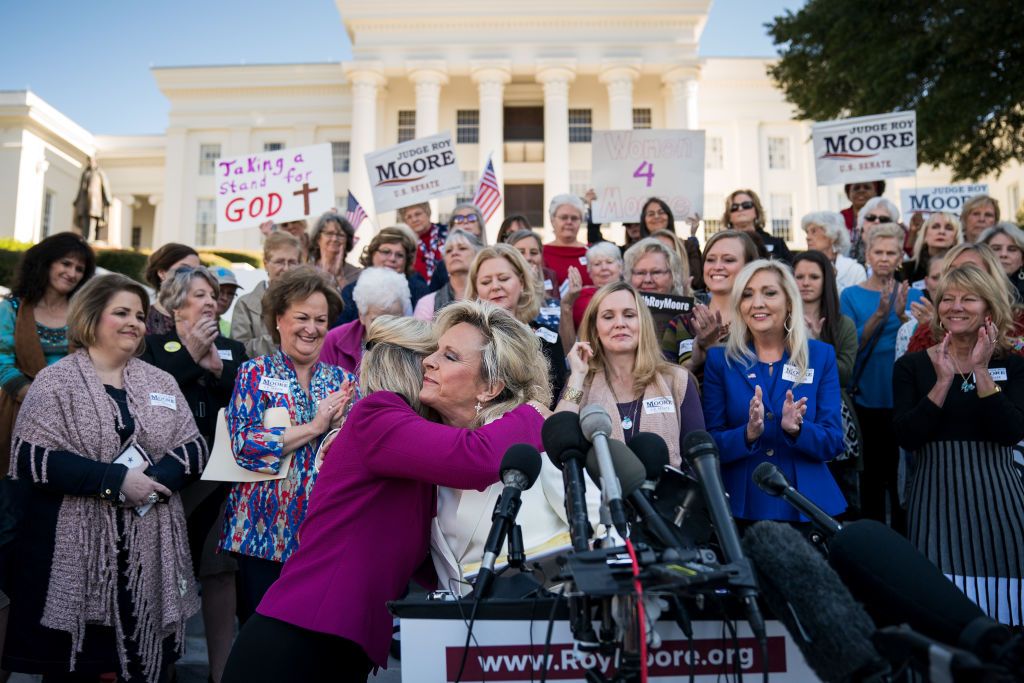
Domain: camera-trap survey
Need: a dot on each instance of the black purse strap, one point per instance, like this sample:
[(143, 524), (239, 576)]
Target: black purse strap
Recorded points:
[(864, 354)]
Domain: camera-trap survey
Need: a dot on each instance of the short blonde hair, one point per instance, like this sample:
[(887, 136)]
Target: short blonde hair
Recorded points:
[(511, 354), (970, 278), (737, 348), (297, 285), (976, 201), (530, 300), (890, 231), (280, 240), (88, 303), (393, 361), (422, 205), (649, 361), (992, 266)]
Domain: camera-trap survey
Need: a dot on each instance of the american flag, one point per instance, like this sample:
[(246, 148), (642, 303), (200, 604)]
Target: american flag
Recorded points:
[(354, 213), (488, 196)]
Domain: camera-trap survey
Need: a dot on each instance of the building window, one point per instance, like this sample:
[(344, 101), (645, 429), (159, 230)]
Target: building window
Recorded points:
[(782, 216), (714, 159), (339, 155), (778, 154), (467, 126), (469, 182), (209, 155), (47, 222), (206, 221), (273, 146), (641, 119), (406, 125), (136, 237), (580, 125), (712, 218)]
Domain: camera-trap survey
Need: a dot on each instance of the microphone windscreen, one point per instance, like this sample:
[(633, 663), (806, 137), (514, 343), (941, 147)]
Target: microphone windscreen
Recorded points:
[(627, 467), (898, 584), (770, 479), (595, 420), (524, 458), (831, 629), (561, 434), (653, 453), (698, 443)]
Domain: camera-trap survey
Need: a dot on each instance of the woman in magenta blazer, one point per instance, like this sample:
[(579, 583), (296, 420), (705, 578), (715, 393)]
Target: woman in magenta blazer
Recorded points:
[(367, 531)]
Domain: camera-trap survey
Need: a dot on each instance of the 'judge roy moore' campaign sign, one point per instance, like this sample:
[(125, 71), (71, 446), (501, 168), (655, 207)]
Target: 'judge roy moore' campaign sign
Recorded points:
[(413, 172), (865, 148)]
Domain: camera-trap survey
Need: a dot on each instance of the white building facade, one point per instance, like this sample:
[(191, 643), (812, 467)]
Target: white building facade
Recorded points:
[(526, 82)]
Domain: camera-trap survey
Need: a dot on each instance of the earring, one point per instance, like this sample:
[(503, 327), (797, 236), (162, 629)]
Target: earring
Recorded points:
[(788, 325), (478, 407)]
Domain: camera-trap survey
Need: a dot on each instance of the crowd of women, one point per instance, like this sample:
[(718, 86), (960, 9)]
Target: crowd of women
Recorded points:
[(368, 409)]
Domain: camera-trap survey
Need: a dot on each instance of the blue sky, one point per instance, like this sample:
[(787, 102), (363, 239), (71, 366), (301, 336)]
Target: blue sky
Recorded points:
[(91, 60)]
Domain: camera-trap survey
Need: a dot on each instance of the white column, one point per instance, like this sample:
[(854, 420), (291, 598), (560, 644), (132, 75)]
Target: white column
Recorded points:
[(30, 184), (618, 79), (366, 82), (171, 219), (121, 231), (556, 80), (680, 94), (692, 121), (490, 79), (184, 235), (427, 78)]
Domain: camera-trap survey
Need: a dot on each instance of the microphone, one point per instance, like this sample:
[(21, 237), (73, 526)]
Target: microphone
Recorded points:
[(831, 629), (702, 453), (597, 427), (567, 449), (653, 454), (897, 585), (772, 481), (519, 469)]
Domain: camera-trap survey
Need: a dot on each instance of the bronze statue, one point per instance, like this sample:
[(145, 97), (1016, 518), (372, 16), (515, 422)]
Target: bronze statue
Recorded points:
[(92, 205)]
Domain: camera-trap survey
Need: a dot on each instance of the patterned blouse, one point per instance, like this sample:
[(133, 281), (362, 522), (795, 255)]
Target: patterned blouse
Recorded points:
[(262, 518), (53, 339)]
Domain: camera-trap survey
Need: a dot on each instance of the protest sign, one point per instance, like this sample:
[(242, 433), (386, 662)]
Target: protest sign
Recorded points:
[(413, 172), (664, 307), (281, 186), (629, 166), (947, 198), (865, 148)]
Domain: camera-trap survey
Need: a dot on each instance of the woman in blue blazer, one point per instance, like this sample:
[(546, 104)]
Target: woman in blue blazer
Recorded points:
[(772, 395)]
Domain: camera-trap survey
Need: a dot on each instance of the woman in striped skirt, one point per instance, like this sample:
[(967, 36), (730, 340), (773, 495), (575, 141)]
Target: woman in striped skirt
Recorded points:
[(959, 406)]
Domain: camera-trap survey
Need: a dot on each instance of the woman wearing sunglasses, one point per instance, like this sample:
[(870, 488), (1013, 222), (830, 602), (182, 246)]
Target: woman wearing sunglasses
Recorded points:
[(874, 212), (743, 212)]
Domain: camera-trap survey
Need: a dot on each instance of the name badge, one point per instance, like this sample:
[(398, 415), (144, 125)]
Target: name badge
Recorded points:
[(275, 385), (547, 335), (548, 285), (551, 311), (563, 288), (997, 374), (165, 400), (685, 346), (583, 260), (918, 285), (790, 373), (769, 248), (225, 354), (659, 404)]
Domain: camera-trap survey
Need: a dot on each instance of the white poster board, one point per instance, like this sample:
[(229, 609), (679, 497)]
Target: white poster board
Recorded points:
[(865, 148), (630, 166), (281, 186), (413, 172), (947, 198)]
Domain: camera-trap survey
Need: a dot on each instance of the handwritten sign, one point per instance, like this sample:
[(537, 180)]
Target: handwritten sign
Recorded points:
[(281, 186), (947, 198), (630, 166), (414, 172), (865, 148)]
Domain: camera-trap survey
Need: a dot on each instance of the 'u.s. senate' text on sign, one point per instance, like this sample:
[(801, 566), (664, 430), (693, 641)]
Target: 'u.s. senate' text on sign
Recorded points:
[(865, 148)]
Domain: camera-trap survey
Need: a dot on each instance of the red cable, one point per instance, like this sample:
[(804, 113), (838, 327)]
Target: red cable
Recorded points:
[(640, 611)]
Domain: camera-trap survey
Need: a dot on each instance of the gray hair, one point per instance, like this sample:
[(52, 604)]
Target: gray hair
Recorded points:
[(834, 226), (875, 202), (563, 199), (1007, 228), (479, 219), (886, 231), (605, 249), (175, 288), (460, 236), (383, 288), (652, 245)]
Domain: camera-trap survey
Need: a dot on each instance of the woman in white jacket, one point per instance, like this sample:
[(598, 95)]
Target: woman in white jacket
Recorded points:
[(826, 232)]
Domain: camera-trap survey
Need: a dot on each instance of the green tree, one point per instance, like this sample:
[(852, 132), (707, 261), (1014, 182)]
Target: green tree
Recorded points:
[(960, 65)]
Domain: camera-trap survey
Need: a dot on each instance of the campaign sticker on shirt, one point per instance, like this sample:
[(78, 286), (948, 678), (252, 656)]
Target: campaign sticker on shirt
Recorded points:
[(275, 385), (165, 400), (769, 248), (548, 285), (997, 374), (790, 373), (225, 354), (685, 346), (172, 346), (659, 404), (918, 285), (547, 335), (551, 311), (583, 260), (563, 288)]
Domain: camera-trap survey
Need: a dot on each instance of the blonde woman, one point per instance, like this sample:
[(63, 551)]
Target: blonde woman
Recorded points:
[(772, 395), (939, 234), (617, 364)]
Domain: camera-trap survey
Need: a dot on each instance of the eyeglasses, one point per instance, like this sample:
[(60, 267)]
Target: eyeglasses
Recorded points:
[(283, 263), (653, 274), (459, 220), (742, 205), (566, 218), (333, 235), (875, 218)]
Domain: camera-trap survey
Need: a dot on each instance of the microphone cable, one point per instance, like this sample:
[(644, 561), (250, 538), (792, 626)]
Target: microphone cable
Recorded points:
[(641, 614), (469, 629)]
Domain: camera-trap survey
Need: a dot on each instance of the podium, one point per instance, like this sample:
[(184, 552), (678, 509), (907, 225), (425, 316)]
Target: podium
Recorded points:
[(509, 645)]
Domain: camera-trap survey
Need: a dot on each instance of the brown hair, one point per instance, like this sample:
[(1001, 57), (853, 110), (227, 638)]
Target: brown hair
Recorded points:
[(297, 284), (163, 258), (392, 235), (758, 210), (88, 303), (280, 240)]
